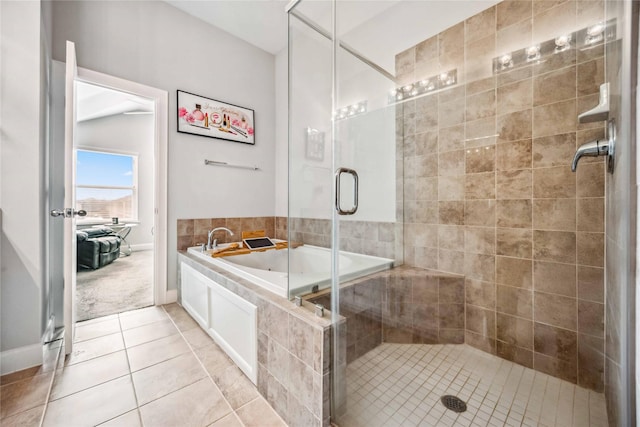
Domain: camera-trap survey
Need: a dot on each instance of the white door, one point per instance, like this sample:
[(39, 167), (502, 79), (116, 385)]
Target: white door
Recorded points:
[(69, 211)]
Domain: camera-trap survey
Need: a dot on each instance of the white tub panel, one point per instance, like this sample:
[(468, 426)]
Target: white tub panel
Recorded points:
[(195, 295), (230, 320), (233, 325)]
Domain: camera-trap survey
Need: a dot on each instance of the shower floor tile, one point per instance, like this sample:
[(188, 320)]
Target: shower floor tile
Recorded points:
[(401, 385)]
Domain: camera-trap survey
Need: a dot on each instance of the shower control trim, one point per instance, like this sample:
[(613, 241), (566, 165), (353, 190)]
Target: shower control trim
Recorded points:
[(598, 148)]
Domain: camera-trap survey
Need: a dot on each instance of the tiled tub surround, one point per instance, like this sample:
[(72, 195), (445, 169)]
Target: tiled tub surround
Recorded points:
[(293, 349), (383, 239), (402, 305), (192, 232), (489, 192)]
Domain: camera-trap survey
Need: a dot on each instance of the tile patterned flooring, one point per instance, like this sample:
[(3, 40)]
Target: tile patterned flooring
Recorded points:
[(401, 385), (151, 367), (156, 367)]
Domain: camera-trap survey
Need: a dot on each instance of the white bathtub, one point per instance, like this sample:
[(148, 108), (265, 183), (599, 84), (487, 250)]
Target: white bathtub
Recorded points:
[(311, 267)]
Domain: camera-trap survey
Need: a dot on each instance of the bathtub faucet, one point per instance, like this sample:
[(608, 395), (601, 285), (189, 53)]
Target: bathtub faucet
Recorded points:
[(215, 241)]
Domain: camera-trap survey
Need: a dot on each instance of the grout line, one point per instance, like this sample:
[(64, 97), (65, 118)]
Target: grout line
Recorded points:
[(133, 385)]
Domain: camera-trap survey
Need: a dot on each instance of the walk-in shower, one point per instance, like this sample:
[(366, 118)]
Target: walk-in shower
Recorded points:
[(441, 135)]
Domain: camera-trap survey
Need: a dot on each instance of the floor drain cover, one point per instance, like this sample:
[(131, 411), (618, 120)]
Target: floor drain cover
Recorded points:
[(454, 403)]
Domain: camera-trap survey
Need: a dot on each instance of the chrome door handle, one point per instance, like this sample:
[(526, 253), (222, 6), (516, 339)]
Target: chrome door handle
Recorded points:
[(72, 212), (338, 174), (67, 213)]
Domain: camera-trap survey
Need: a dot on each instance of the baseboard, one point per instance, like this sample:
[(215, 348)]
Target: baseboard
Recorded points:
[(142, 247), (171, 296), (20, 358)]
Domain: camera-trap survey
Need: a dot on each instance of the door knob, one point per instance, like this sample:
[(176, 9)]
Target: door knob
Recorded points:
[(68, 213), (72, 212)]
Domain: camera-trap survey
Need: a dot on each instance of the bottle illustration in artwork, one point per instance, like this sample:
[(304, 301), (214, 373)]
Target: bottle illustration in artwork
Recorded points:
[(206, 120), (198, 114), (224, 121)]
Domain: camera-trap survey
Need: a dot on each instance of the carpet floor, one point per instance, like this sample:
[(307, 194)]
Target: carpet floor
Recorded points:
[(125, 284)]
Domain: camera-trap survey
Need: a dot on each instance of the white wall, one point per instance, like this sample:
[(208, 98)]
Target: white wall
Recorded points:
[(127, 134), (22, 112), (157, 45)]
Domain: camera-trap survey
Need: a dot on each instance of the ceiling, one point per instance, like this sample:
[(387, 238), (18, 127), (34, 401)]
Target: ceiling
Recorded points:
[(378, 29), (97, 101), (263, 23)]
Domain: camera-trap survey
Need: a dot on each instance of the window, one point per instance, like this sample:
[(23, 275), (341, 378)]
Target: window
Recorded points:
[(106, 185)]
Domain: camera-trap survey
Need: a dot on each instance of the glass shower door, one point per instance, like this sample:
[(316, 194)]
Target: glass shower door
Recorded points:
[(343, 191), (310, 152), (368, 210)]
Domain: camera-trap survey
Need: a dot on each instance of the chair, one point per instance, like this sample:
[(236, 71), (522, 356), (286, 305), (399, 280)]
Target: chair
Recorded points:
[(97, 247)]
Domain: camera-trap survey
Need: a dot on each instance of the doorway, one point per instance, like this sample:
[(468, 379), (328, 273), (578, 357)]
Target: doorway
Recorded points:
[(114, 185), (155, 229)]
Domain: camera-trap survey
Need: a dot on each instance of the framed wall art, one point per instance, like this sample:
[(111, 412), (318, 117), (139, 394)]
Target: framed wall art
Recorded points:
[(199, 115)]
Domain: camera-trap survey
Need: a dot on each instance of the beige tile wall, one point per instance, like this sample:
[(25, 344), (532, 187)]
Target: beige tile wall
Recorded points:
[(423, 307), (364, 237), (489, 192), (404, 305)]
